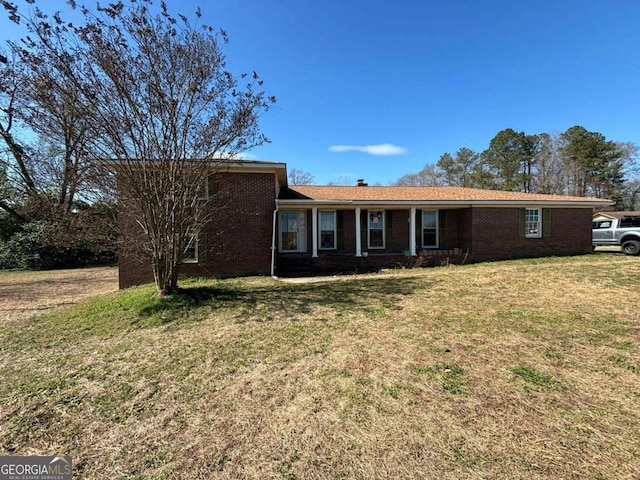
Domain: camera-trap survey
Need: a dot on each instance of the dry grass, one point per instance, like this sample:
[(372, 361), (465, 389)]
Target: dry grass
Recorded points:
[(525, 369), (24, 293)]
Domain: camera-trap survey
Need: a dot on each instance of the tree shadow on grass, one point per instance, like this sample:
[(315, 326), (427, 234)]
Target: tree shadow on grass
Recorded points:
[(366, 295), (187, 298)]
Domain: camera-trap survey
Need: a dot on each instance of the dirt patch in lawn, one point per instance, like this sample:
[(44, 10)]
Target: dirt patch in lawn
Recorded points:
[(24, 293)]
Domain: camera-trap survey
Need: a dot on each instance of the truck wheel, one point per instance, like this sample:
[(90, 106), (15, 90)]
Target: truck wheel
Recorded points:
[(631, 247)]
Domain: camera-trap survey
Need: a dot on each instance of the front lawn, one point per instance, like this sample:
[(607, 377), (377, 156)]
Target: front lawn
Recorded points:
[(524, 369)]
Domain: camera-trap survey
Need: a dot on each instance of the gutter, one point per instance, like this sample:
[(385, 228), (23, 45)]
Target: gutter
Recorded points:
[(273, 244)]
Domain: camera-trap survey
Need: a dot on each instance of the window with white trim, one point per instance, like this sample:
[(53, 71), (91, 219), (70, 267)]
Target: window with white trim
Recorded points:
[(429, 228), (190, 253), (533, 222), (208, 188), (376, 229), (293, 231), (327, 230)]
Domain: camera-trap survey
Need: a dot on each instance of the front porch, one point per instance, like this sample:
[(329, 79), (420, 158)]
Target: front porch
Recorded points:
[(300, 265), (333, 240)]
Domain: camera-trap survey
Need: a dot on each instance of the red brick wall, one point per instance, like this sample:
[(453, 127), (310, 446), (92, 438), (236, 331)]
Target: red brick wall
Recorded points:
[(399, 240), (450, 239), (485, 233), (238, 235), (464, 227), (348, 231), (496, 234), (133, 267)]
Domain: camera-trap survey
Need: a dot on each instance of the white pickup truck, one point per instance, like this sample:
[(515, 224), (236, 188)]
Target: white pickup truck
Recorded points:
[(617, 228)]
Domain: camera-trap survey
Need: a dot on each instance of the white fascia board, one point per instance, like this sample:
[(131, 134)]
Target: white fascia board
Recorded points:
[(244, 165), (215, 163)]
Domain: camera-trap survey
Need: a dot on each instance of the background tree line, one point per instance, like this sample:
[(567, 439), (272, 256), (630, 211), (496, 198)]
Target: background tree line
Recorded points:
[(576, 162), (56, 209)]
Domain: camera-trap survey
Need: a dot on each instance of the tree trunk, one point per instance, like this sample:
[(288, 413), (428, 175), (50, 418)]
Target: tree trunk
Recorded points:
[(18, 154), (7, 208), (165, 275)]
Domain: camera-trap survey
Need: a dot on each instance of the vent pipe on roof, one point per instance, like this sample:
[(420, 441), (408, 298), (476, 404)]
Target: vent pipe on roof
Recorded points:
[(361, 183)]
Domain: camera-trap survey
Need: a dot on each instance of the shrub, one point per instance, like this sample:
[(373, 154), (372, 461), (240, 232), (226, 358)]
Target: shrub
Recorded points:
[(32, 248)]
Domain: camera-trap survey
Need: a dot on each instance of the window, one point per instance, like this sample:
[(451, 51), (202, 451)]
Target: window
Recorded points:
[(429, 228), (376, 229), (208, 189), (532, 223), (629, 222), (327, 229), (293, 231), (602, 224), (196, 249), (190, 254)]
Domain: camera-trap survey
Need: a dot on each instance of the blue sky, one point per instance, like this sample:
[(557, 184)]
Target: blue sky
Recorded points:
[(377, 89)]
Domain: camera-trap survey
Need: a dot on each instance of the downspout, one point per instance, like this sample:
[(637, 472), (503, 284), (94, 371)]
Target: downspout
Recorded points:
[(273, 243)]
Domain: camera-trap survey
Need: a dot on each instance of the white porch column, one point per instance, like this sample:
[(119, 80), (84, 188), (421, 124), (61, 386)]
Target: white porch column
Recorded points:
[(314, 230), (412, 232), (358, 234)]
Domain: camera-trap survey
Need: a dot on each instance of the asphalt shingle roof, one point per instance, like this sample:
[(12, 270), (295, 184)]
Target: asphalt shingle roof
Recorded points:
[(389, 193)]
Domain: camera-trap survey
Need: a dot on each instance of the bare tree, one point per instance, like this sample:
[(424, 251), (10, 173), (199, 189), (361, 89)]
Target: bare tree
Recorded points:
[(54, 110), (46, 182), (158, 106), (46, 173), (629, 198), (343, 180), (14, 156), (300, 177), (550, 175), (429, 176)]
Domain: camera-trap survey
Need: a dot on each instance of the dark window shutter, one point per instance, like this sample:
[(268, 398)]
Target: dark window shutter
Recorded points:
[(419, 228), (388, 231), (442, 237), (202, 248), (522, 220), (364, 219), (309, 232), (212, 185), (340, 229), (546, 222)]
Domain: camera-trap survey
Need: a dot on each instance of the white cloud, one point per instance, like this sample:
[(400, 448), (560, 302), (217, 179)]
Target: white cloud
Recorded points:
[(381, 150)]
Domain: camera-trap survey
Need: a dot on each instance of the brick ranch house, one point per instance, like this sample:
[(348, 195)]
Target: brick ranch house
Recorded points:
[(260, 225)]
